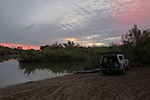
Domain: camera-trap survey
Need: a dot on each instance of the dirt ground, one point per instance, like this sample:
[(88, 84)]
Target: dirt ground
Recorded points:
[(134, 85)]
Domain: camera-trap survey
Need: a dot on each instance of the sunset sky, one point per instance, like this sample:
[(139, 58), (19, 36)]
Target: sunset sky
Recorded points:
[(33, 23)]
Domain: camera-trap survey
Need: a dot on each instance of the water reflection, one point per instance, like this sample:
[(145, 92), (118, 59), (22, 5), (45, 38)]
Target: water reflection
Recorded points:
[(30, 68), (8, 57), (13, 72)]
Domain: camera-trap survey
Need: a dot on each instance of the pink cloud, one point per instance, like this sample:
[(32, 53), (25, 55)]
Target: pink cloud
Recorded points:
[(133, 12), (23, 46)]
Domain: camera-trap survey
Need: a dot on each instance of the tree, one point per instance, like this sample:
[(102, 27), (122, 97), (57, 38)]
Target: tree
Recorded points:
[(19, 48), (137, 44), (132, 38), (69, 44)]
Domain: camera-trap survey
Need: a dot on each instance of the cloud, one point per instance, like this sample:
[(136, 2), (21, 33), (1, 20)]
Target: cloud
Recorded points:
[(92, 36), (40, 22), (20, 45)]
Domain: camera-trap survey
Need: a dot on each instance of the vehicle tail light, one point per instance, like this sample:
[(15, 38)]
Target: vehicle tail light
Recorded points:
[(120, 64)]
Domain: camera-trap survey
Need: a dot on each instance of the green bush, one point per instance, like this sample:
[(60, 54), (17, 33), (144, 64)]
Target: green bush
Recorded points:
[(135, 47)]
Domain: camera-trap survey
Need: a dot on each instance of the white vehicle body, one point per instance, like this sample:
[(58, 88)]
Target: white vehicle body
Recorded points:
[(124, 62)]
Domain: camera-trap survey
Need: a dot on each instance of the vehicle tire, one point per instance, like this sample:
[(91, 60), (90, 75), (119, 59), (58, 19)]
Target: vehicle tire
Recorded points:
[(104, 72), (123, 71), (128, 68)]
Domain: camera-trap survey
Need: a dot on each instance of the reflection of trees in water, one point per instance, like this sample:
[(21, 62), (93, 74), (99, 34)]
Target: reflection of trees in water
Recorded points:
[(54, 67), (8, 57)]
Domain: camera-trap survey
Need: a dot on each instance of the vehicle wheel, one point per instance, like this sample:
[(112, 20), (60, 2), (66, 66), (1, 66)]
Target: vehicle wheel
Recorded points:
[(123, 71), (104, 72), (128, 68)]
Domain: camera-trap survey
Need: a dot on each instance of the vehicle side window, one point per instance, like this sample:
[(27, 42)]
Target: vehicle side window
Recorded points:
[(120, 57)]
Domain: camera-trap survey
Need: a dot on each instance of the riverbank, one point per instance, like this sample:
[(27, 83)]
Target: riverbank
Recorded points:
[(134, 85)]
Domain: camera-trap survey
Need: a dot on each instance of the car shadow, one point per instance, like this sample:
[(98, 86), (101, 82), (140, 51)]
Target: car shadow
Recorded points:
[(113, 73)]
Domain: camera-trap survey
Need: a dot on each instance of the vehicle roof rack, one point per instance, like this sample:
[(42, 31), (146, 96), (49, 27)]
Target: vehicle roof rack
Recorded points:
[(109, 53)]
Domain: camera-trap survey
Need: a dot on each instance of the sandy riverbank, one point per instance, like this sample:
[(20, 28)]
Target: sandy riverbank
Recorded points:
[(134, 85)]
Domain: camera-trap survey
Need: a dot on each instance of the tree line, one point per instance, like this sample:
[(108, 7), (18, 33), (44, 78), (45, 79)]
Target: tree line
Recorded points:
[(7, 50), (135, 47)]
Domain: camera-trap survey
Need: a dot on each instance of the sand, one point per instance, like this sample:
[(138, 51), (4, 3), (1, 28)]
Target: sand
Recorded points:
[(134, 85)]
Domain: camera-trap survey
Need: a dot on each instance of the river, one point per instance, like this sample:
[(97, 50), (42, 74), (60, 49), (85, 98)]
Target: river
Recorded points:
[(12, 72)]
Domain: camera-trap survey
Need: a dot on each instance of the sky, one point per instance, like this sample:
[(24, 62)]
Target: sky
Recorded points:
[(35, 23)]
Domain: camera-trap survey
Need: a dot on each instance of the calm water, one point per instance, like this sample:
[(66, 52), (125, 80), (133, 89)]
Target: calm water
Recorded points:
[(12, 72)]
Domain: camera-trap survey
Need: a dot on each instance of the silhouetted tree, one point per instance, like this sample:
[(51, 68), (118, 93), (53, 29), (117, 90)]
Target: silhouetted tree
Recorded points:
[(69, 44), (137, 44)]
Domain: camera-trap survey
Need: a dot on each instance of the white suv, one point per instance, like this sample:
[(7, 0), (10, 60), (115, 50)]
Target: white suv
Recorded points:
[(113, 61)]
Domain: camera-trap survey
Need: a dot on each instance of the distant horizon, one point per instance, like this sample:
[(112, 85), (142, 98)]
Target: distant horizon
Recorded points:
[(24, 47), (27, 47)]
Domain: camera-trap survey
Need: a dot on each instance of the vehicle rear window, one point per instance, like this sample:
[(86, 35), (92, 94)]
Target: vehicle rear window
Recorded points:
[(106, 59), (120, 57)]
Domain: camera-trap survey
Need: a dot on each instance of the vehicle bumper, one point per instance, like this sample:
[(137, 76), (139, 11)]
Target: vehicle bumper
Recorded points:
[(110, 69)]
